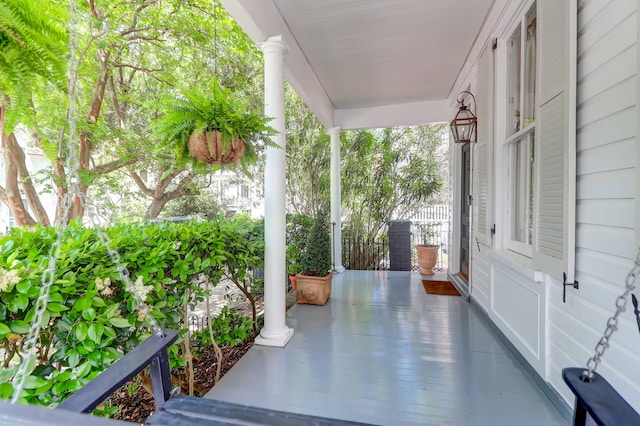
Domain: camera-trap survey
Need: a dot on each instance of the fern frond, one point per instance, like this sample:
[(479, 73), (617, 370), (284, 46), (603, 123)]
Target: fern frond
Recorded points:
[(32, 44)]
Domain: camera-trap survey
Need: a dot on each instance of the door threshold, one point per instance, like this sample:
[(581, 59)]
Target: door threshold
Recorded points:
[(461, 284)]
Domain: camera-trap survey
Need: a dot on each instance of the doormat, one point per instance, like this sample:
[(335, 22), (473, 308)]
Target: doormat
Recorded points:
[(444, 288)]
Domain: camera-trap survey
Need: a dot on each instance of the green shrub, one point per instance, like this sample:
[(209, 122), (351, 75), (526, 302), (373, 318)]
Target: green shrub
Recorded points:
[(229, 329), (298, 229), (91, 319), (316, 258)]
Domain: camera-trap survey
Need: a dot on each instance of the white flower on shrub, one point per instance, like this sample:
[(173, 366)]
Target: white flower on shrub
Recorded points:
[(141, 290), (104, 286), (177, 245), (8, 278)]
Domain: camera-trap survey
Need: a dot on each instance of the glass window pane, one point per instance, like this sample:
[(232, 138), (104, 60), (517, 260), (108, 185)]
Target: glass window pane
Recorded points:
[(522, 190), (529, 89), (513, 82)]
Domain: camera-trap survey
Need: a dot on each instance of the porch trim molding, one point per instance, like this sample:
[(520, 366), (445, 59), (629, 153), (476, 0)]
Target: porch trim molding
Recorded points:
[(565, 410), (336, 211), (275, 331)]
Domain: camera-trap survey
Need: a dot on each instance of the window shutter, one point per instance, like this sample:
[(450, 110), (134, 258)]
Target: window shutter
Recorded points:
[(554, 224), (483, 150)]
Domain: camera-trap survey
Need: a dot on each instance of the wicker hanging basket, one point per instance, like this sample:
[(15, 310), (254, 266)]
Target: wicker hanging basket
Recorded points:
[(207, 147)]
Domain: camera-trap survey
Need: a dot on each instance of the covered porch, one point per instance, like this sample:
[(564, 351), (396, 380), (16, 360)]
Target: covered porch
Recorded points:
[(383, 351)]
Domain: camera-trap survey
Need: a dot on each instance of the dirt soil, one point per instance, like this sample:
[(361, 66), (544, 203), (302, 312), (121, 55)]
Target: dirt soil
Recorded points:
[(136, 404)]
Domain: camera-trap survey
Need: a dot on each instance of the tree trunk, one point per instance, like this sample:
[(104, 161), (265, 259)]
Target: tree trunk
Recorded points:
[(14, 199), (77, 209), (30, 193), (155, 208)]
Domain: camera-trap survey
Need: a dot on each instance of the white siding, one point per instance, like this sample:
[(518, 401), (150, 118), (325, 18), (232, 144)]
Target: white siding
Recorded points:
[(527, 304), (606, 205)]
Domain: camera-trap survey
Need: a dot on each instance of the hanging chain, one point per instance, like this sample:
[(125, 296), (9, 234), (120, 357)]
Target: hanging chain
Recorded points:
[(612, 323), (73, 179)]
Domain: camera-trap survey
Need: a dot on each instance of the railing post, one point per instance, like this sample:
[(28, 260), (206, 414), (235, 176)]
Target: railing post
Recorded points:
[(161, 378)]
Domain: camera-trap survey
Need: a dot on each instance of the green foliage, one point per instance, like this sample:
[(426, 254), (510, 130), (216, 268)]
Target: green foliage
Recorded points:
[(308, 158), (32, 47), (229, 329), (91, 318), (200, 201), (428, 234), (316, 258), (386, 173), (298, 230), (219, 110)]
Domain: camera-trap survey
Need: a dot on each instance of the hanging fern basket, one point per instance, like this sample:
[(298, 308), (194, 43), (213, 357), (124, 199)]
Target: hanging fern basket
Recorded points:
[(208, 148)]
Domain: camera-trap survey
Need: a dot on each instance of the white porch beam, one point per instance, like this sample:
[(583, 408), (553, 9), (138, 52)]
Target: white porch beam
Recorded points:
[(275, 331), (336, 211), (405, 114)]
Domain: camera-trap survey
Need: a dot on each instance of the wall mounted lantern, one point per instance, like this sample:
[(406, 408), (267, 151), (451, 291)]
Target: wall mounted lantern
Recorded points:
[(464, 125)]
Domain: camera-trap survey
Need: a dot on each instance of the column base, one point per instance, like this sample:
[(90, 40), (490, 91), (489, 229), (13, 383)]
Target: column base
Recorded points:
[(279, 340), (339, 269)]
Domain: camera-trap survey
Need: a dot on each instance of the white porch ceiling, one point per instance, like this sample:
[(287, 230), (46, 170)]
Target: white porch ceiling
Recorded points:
[(370, 63)]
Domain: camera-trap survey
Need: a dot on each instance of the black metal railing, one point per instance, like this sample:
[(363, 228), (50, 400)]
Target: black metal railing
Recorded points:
[(365, 254), (152, 351)]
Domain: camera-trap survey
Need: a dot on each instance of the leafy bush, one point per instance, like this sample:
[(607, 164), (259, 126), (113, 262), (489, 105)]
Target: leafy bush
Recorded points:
[(91, 319), (229, 329), (316, 258), (298, 230)]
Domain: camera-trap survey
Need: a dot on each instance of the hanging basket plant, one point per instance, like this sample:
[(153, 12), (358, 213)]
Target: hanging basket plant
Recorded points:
[(208, 147), (216, 127)]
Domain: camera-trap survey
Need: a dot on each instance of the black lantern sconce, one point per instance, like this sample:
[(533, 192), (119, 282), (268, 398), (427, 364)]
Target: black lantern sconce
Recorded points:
[(464, 125)]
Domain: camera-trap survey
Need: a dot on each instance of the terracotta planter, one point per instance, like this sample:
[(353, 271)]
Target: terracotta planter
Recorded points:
[(427, 258), (314, 290), (294, 283), (207, 147)]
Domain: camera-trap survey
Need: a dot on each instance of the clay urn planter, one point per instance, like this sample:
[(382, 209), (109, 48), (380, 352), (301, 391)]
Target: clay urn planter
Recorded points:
[(427, 258)]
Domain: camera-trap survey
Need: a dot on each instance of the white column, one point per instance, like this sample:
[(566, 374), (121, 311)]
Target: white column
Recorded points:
[(336, 211), (275, 331)]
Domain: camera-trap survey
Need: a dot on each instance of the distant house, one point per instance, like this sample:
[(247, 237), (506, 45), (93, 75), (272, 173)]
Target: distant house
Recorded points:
[(237, 193)]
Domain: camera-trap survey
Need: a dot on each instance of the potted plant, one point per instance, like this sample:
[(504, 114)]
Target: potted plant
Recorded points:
[(215, 128), (428, 250), (298, 229), (314, 282)]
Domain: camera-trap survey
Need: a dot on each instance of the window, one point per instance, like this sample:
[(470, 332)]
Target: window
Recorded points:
[(521, 132), (244, 191)]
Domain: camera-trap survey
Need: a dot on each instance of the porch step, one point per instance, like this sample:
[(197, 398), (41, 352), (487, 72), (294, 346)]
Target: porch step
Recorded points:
[(189, 411)]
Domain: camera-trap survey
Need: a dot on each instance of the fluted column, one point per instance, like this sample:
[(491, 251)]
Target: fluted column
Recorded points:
[(336, 211), (275, 331)]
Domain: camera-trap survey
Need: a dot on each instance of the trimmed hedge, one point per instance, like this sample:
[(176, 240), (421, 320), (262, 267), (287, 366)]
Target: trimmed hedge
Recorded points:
[(91, 319)]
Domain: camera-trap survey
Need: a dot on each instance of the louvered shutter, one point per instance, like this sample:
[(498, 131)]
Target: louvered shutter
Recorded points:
[(554, 225), (483, 150)]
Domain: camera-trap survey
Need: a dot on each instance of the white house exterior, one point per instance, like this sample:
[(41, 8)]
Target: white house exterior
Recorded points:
[(237, 193), (553, 179)]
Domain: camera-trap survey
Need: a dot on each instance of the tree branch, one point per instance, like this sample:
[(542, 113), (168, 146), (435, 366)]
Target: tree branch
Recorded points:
[(113, 165), (136, 178), (181, 189)]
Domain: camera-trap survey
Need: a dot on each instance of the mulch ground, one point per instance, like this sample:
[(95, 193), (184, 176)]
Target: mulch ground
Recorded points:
[(136, 404)]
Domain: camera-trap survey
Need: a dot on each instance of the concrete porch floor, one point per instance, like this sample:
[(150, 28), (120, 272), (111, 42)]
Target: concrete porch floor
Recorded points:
[(382, 351)]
